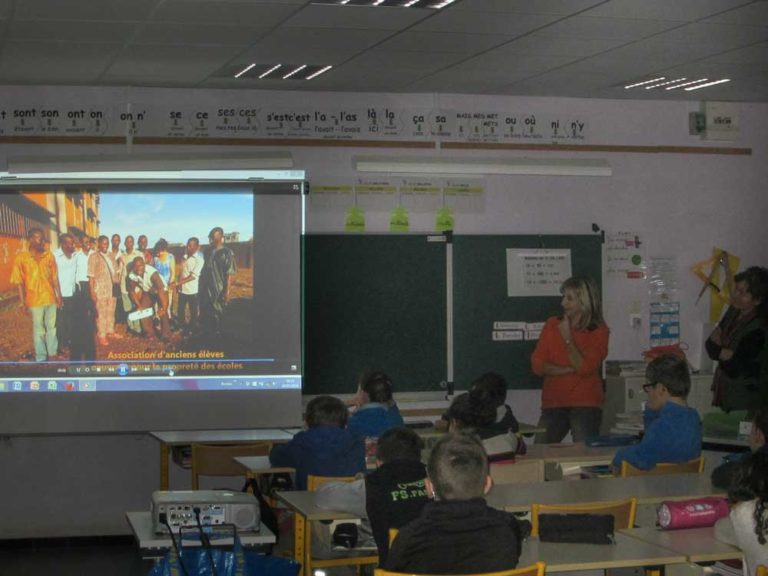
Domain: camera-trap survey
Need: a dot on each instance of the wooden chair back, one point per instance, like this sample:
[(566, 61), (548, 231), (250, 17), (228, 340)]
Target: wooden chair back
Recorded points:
[(623, 512), (532, 570), (218, 460), (392, 535), (517, 472), (314, 482), (695, 466), (762, 570)]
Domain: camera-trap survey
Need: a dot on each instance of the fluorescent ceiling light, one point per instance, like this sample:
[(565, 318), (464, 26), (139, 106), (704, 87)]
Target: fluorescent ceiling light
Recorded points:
[(685, 84), (445, 165), (268, 72), (644, 83), (664, 83), (297, 70), (707, 84), (244, 70), (321, 71)]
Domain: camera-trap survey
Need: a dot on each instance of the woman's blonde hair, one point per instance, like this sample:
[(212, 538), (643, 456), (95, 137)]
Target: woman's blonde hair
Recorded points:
[(588, 295)]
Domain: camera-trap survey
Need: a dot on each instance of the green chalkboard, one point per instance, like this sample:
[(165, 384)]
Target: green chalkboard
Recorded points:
[(480, 299), (374, 301)]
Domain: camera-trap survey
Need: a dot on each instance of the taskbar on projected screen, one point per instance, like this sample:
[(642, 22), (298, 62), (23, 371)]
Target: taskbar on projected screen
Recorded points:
[(153, 384)]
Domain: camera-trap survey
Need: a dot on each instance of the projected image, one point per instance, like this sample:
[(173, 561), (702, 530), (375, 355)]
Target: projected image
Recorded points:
[(99, 280)]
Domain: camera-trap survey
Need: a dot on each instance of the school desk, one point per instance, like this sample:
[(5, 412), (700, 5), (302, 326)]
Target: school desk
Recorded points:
[(169, 439), (647, 489), (153, 545), (698, 544), (627, 552)]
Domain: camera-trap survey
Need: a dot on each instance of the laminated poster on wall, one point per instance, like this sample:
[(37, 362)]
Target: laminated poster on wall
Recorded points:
[(537, 272), (664, 299), (664, 323), (625, 258)]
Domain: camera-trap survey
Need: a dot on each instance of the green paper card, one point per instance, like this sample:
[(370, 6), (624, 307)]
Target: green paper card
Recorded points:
[(399, 220), (355, 221), (444, 220)]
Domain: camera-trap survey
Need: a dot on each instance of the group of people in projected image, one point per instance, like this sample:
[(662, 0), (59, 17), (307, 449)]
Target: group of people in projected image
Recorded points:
[(93, 292)]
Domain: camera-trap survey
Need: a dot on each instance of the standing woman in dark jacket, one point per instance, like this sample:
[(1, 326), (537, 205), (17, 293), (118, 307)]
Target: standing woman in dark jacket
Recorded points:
[(738, 343)]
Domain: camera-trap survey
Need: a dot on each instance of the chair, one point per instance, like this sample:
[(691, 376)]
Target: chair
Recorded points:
[(623, 512), (532, 570), (218, 460), (310, 564), (518, 472), (392, 535), (695, 466), (761, 570)]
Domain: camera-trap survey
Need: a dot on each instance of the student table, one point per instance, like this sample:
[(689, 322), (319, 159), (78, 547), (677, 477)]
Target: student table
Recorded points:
[(152, 544), (647, 489), (627, 552), (168, 439), (698, 544)]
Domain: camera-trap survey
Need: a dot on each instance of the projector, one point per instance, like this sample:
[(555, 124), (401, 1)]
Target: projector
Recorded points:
[(215, 507)]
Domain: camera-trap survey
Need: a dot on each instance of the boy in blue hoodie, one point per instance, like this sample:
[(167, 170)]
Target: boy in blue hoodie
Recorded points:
[(325, 448), (377, 411)]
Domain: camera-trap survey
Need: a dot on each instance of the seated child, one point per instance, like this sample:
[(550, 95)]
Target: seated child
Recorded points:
[(758, 442), (470, 413), (458, 533), (390, 496), (325, 447), (376, 412), (672, 428), (491, 388), (747, 526)]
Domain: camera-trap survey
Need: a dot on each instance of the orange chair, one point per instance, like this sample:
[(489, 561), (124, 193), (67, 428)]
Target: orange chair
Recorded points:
[(623, 512), (761, 570), (310, 564), (532, 570), (695, 466)]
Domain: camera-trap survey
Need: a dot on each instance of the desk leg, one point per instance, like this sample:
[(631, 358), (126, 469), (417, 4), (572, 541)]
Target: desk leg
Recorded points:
[(299, 527), (163, 466)]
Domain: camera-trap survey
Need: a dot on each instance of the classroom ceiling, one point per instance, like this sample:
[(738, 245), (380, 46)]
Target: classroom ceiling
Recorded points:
[(579, 48)]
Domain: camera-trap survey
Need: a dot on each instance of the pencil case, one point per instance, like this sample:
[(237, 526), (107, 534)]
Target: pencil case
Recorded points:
[(695, 513)]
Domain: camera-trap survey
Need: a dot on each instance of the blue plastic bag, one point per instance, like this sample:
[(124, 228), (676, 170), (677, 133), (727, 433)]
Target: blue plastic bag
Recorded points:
[(230, 561)]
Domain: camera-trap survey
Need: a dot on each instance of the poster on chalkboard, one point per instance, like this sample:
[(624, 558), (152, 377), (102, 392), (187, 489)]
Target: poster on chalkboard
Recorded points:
[(537, 272)]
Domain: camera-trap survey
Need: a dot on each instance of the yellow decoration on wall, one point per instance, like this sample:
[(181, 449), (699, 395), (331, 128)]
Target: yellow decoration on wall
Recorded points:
[(708, 271)]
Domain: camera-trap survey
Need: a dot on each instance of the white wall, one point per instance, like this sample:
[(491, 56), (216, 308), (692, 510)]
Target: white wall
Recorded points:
[(681, 204)]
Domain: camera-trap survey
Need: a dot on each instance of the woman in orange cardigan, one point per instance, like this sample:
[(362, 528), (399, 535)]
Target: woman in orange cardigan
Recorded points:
[(569, 356)]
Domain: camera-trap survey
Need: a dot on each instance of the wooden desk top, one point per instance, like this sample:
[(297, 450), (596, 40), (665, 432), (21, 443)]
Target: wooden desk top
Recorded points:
[(698, 544), (628, 552), (184, 437), (255, 465), (570, 453), (647, 489), (304, 503), (141, 525)]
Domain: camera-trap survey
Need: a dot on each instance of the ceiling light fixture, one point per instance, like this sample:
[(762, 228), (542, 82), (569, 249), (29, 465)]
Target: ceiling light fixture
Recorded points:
[(644, 83), (244, 70), (707, 84), (268, 72), (315, 74), (297, 70), (652, 86), (685, 84)]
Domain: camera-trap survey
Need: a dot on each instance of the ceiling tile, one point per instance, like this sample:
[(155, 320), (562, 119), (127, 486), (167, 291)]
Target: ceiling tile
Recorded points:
[(55, 59), (445, 42), (395, 60), (718, 37), (680, 10), (213, 11), (505, 64), (535, 45), (173, 62), (78, 32), (754, 54), (606, 28), (755, 14), (560, 7), (328, 16), (170, 33), (485, 23), (106, 10)]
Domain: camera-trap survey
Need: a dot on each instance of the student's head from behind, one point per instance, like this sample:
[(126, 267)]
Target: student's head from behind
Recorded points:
[(490, 387), (667, 378), (758, 438), (377, 386), (581, 302), (751, 483), (326, 411), (467, 412), (458, 468), (750, 291), (399, 443)]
